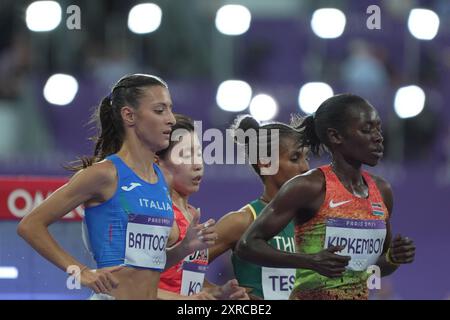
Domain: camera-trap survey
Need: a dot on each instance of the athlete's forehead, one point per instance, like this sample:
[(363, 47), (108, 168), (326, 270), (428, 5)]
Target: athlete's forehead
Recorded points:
[(157, 95), (364, 114)]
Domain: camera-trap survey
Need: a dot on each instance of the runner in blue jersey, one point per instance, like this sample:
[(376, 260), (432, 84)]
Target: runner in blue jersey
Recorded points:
[(128, 207)]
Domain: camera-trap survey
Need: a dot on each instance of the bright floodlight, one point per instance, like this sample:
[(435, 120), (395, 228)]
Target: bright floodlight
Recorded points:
[(233, 95), (60, 89), (423, 24), (328, 23), (263, 107), (43, 15), (8, 273), (312, 94), (409, 101), (144, 18), (233, 19)]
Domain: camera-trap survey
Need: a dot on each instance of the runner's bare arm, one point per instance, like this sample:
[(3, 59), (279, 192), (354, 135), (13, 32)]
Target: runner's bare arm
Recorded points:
[(83, 186), (286, 206), (230, 229)]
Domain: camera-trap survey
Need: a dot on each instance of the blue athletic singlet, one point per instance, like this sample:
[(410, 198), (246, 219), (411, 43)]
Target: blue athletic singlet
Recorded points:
[(133, 226)]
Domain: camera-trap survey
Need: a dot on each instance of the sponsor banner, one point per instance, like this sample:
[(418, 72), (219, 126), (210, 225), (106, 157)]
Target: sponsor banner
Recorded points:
[(19, 195)]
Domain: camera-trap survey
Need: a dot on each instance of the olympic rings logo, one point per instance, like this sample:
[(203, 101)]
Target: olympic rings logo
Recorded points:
[(158, 260)]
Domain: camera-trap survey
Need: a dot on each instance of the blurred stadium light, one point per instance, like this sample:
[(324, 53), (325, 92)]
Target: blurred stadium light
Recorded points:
[(312, 94), (263, 107), (233, 19), (43, 16), (60, 89), (328, 23), (409, 101), (144, 18), (423, 24), (233, 95)]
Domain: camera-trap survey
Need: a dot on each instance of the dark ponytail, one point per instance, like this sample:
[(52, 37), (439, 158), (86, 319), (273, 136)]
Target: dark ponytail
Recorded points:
[(111, 130), (107, 117), (308, 136), (244, 123)]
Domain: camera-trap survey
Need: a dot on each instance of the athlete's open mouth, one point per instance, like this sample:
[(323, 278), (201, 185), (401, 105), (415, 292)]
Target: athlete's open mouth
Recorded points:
[(167, 132), (197, 179)]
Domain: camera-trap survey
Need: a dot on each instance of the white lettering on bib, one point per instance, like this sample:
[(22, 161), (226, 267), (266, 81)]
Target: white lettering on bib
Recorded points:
[(363, 240), (194, 269), (146, 239)]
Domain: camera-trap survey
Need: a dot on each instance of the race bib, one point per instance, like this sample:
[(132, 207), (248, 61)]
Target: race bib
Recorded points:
[(277, 284), (146, 241), (194, 269), (363, 240)]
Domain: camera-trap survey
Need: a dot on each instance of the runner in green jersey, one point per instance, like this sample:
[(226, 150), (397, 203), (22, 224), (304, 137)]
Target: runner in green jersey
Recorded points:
[(263, 283)]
